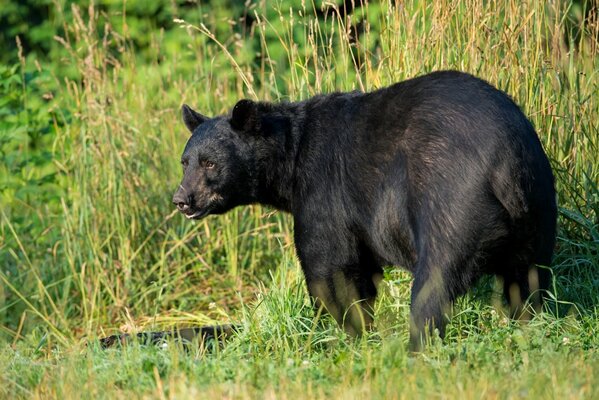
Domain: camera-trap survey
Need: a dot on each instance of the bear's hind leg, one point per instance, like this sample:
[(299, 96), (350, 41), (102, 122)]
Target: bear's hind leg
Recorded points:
[(525, 287), (433, 294)]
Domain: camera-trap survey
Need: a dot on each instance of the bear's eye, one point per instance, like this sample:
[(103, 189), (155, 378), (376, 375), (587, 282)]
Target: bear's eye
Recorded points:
[(184, 163), (207, 164)]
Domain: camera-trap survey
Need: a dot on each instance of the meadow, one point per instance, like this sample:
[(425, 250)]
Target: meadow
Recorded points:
[(90, 244)]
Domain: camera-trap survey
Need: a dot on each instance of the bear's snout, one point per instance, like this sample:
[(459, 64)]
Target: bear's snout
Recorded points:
[(181, 199)]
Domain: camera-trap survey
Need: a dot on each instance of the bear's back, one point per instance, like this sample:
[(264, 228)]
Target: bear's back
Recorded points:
[(442, 151)]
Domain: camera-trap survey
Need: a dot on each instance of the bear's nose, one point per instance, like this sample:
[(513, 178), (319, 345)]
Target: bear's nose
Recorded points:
[(182, 206), (181, 201)]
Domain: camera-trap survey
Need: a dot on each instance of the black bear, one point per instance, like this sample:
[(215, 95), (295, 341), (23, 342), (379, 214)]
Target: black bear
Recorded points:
[(441, 174)]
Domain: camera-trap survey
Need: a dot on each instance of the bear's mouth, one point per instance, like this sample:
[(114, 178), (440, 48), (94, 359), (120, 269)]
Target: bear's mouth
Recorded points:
[(196, 214)]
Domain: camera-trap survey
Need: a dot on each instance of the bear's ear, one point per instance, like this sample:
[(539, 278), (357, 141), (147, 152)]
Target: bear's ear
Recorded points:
[(244, 116), (191, 118)]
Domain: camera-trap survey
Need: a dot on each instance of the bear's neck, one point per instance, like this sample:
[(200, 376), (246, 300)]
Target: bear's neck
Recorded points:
[(277, 168)]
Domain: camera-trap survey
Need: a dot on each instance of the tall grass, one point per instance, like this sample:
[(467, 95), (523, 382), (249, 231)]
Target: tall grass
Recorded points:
[(122, 258)]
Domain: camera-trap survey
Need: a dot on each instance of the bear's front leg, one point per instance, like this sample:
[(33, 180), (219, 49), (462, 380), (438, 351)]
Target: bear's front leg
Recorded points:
[(342, 278), (340, 296)]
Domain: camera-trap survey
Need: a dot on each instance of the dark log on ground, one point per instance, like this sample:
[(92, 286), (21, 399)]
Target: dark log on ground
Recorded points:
[(185, 336)]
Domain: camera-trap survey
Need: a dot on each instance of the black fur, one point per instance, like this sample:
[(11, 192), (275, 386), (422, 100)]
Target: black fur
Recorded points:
[(442, 175)]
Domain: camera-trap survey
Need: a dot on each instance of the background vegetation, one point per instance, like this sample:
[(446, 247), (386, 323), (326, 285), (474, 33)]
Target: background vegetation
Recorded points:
[(90, 138)]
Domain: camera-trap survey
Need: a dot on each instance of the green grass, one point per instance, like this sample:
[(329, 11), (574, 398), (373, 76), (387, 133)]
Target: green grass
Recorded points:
[(107, 252)]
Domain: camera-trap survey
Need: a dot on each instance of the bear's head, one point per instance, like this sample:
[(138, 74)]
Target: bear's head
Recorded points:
[(219, 161)]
